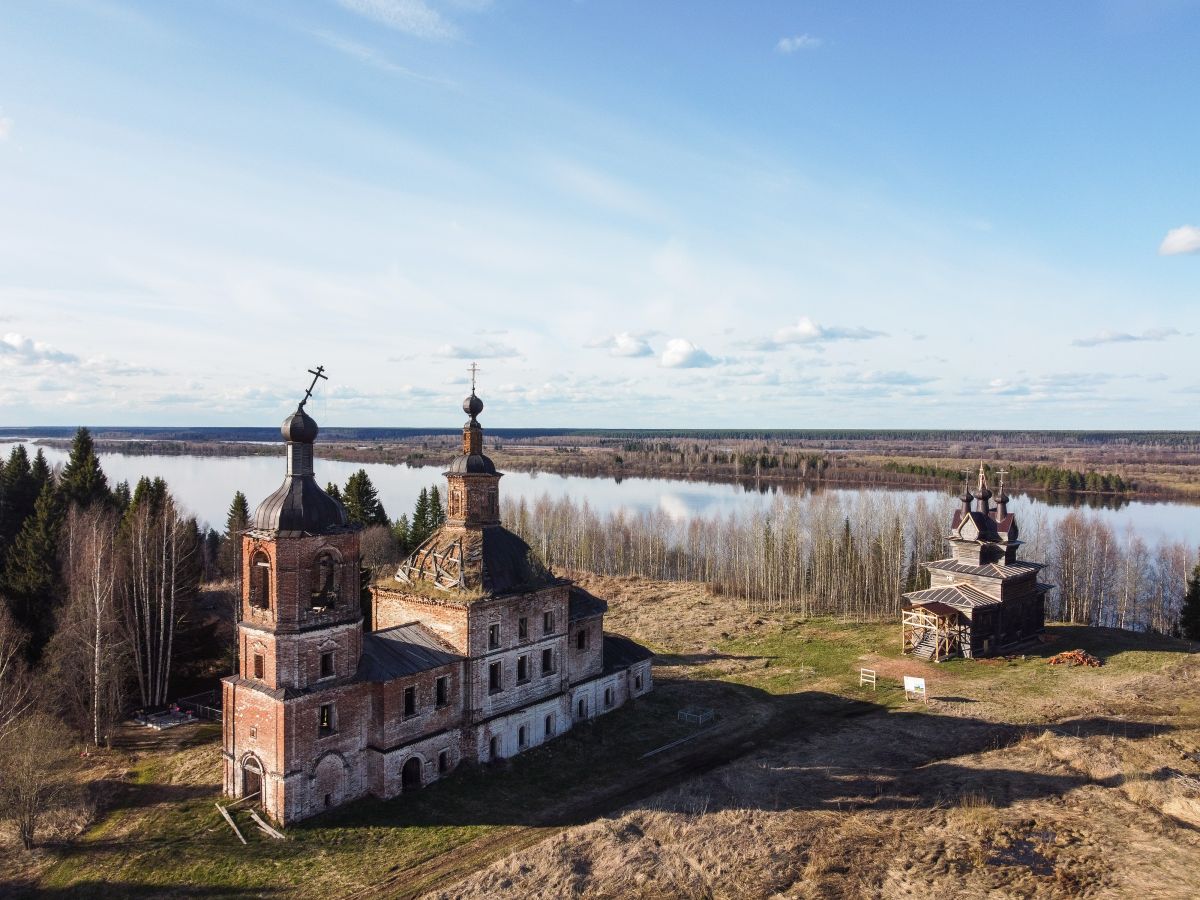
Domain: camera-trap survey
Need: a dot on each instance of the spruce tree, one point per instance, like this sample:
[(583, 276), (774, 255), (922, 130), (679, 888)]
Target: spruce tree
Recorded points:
[(31, 570), (18, 494), (421, 527), (362, 502), (237, 521), (122, 497), (1189, 615), (403, 533), (82, 480), (437, 513), (40, 472), (334, 491)]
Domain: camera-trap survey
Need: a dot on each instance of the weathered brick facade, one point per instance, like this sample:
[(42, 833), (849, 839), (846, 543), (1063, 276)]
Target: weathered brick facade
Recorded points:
[(477, 652)]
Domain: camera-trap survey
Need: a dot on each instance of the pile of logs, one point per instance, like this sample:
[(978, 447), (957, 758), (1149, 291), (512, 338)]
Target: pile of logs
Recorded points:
[(1075, 658)]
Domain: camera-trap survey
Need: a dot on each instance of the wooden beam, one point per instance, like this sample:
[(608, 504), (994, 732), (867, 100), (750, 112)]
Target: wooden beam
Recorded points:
[(229, 819)]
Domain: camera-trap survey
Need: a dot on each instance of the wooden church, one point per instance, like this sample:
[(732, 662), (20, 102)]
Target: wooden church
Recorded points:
[(982, 600)]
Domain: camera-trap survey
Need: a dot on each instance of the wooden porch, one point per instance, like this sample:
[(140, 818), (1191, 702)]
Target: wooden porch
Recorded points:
[(934, 632)]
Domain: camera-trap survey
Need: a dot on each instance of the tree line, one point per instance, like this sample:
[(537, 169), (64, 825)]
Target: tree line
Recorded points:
[(853, 556), (1048, 478)]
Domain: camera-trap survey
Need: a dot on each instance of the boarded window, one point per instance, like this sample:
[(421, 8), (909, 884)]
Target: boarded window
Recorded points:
[(494, 678), (410, 701), (493, 637), (522, 628), (522, 668), (547, 662), (327, 664), (548, 623), (326, 725), (259, 665), (443, 690)]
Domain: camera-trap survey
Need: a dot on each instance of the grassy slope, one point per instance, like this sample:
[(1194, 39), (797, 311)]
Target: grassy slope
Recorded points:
[(768, 677)]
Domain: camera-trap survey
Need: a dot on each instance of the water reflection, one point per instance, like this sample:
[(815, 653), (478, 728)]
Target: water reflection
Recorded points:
[(206, 484)]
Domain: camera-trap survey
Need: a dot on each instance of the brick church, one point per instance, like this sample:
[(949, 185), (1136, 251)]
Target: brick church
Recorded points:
[(476, 652)]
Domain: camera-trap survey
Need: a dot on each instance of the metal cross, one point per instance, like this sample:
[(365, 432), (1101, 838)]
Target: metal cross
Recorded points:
[(1000, 473), (474, 370), (316, 374)]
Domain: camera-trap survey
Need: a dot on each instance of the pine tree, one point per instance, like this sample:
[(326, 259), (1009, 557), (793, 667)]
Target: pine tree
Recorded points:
[(1189, 615), (421, 527), (82, 480), (122, 497), (362, 502), (31, 570), (437, 513), (18, 494), (334, 491), (403, 533), (237, 521)]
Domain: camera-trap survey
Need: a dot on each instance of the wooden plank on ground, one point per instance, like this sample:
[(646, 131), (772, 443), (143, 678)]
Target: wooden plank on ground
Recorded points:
[(229, 819), (265, 827)]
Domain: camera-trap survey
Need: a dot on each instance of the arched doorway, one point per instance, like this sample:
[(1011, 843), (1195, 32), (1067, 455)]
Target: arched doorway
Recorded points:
[(252, 780), (410, 775)]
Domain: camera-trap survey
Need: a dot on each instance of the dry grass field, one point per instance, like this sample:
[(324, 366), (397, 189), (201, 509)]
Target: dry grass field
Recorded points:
[(1018, 779)]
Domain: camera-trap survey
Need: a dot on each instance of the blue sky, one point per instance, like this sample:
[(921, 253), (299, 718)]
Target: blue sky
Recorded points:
[(939, 214)]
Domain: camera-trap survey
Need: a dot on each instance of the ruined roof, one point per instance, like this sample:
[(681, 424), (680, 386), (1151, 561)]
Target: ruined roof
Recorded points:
[(402, 650), (472, 464), (620, 652), (299, 505), (584, 605), (958, 596), (490, 560), (988, 570)]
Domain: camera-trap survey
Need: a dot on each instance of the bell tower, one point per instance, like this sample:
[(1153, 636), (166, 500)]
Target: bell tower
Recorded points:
[(472, 479), (300, 624)]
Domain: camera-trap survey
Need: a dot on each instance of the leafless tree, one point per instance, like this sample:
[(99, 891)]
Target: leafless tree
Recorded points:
[(35, 750), (14, 679), (160, 573), (87, 658)]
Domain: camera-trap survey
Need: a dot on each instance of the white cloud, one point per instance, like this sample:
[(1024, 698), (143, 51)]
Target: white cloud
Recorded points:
[(415, 17), (807, 331), (486, 350), (1124, 337), (371, 57), (798, 42), (26, 351), (5, 127), (1184, 239), (683, 354), (624, 343)]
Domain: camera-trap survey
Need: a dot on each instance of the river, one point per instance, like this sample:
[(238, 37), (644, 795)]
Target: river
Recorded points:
[(206, 484)]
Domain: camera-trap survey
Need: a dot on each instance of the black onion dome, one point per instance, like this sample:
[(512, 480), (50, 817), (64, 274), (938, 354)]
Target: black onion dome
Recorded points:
[(475, 464), (299, 427), (472, 406), (299, 505)]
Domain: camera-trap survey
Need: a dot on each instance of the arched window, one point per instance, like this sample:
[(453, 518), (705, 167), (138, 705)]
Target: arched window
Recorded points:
[(260, 581), (325, 580)]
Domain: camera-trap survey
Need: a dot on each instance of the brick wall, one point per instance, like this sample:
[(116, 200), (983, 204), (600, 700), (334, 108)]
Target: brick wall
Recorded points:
[(585, 663), (447, 617)]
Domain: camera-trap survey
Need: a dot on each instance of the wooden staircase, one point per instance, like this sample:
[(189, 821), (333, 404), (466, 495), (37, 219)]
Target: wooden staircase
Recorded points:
[(926, 647)]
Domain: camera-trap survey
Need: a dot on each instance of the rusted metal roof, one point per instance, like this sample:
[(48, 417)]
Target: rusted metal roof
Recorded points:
[(959, 596), (402, 650), (620, 652), (990, 570), (584, 605), (300, 506)]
